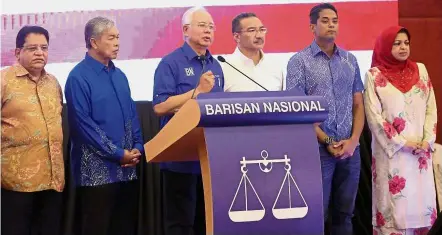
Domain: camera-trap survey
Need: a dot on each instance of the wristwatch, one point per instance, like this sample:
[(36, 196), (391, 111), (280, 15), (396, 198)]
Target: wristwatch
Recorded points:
[(328, 140)]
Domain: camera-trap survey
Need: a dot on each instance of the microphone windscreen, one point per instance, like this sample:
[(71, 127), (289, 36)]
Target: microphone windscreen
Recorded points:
[(220, 58)]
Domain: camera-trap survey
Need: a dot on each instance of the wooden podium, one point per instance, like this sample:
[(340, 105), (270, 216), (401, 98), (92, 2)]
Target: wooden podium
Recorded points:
[(225, 132)]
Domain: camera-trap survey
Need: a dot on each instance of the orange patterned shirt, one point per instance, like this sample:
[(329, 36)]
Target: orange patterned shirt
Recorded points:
[(32, 136)]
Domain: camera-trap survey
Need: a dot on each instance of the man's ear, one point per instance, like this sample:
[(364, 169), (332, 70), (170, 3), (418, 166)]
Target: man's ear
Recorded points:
[(93, 42), (17, 53), (236, 37), (186, 30), (312, 27)]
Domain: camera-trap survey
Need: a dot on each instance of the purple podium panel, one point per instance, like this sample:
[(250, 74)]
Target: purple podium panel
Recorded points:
[(265, 171)]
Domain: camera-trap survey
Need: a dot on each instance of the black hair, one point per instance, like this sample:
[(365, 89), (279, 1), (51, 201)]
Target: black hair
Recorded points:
[(25, 31), (404, 30), (314, 12), (236, 27)]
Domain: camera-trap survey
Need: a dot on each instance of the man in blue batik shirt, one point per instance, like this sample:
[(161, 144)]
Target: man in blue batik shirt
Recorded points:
[(175, 79), (323, 69), (105, 135)]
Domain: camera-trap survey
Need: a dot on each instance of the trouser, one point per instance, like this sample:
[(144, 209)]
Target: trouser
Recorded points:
[(110, 209), (183, 204), (340, 180), (23, 212)]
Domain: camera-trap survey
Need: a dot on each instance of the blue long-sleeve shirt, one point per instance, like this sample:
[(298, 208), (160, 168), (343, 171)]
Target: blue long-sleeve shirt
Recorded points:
[(336, 78), (103, 123)]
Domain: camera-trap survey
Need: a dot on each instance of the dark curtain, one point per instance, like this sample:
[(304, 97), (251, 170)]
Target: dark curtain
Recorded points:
[(150, 216), (362, 214)]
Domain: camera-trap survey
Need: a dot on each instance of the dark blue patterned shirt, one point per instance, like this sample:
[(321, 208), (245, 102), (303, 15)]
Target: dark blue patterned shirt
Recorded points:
[(103, 121), (337, 78)]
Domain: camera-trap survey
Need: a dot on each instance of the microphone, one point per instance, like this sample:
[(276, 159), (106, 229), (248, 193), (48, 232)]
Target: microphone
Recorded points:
[(220, 58), (201, 58)]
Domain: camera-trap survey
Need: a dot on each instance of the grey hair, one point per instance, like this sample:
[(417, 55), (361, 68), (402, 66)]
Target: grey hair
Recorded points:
[(95, 27), (187, 16)]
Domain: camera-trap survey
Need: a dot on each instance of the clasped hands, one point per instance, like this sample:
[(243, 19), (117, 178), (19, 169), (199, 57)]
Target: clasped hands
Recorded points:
[(130, 158), (343, 149), (417, 148)]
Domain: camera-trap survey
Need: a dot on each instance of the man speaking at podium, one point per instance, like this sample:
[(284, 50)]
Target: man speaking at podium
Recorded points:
[(180, 76), (249, 34)]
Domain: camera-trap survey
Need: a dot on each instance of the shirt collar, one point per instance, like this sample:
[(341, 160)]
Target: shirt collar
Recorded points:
[(191, 54), (96, 65), (245, 59), (316, 49), (20, 71)]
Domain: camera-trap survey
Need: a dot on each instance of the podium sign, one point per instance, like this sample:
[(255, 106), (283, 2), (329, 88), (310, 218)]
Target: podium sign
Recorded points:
[(260, 161)]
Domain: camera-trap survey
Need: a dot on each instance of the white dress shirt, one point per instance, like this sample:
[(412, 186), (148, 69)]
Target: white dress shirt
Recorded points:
[(266, 73)]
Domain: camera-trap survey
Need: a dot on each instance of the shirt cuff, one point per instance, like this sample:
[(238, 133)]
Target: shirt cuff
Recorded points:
[(159, 99), (119, 153), (139, 147), (430, 143), (396, 147)]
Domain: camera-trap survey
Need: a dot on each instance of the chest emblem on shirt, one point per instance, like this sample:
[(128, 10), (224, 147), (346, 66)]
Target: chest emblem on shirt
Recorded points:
[(189, 71)]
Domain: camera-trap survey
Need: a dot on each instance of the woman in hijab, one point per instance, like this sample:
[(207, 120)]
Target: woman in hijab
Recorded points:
[(401, 113)]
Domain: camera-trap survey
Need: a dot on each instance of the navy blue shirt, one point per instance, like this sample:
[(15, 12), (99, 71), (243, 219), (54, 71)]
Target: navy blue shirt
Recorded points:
[(103, 122), (176, 74)]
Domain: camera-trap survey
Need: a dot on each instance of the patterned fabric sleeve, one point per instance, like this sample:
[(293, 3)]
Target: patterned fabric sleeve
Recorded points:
[(3, 85), (430, 126), (383, 132), (295, 77), (358, 86), (60, 91)]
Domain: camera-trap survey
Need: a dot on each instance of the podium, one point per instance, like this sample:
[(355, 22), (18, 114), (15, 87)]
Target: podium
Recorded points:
[(259, 159)]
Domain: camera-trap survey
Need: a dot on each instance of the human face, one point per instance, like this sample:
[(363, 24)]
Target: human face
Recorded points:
[(327, 25), (201, 30), (251, 35), (107, 44), (33, 56), (401, 47)]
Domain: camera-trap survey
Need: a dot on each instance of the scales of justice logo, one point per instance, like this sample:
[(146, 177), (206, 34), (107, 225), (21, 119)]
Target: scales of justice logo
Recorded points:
[(266, 167)]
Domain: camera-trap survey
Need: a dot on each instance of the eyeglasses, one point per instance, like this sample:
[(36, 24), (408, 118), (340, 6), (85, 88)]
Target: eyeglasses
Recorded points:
[(262, 30), (205, 26), (34, 48)]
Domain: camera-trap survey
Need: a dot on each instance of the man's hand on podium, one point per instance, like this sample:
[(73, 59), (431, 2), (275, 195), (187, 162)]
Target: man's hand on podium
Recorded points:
[(130, 158)]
